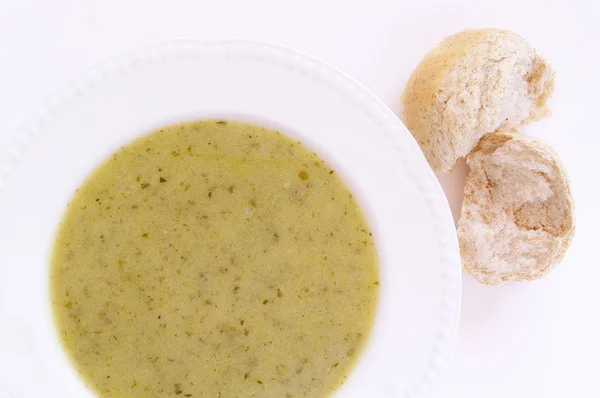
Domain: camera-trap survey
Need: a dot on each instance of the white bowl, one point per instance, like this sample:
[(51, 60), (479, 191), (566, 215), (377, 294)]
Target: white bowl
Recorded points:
[(182, 80)]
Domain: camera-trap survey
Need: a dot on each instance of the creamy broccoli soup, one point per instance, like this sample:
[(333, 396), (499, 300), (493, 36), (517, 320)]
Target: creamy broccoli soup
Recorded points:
[(213, 259)]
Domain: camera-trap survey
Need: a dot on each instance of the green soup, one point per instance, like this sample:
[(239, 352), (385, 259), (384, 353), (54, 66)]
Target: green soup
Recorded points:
[(213, 259)]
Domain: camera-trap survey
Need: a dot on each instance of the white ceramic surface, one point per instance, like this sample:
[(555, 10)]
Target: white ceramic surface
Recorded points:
[(182, 80)]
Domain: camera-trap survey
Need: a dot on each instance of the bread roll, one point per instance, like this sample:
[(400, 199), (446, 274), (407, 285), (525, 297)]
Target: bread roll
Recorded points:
[(473, 83), (517, 216)]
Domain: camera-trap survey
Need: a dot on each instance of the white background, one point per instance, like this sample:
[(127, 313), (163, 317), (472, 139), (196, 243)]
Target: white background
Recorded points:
[(536, 339)]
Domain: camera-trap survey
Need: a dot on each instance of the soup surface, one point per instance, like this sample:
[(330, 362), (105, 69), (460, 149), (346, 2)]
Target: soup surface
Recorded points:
[(213, 259)]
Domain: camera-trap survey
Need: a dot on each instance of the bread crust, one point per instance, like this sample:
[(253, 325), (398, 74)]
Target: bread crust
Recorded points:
[(517, 218), (473, 83)]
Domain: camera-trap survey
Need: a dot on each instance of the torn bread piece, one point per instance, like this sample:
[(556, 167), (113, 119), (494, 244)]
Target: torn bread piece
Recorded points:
[(474, 83), (517, 217)]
